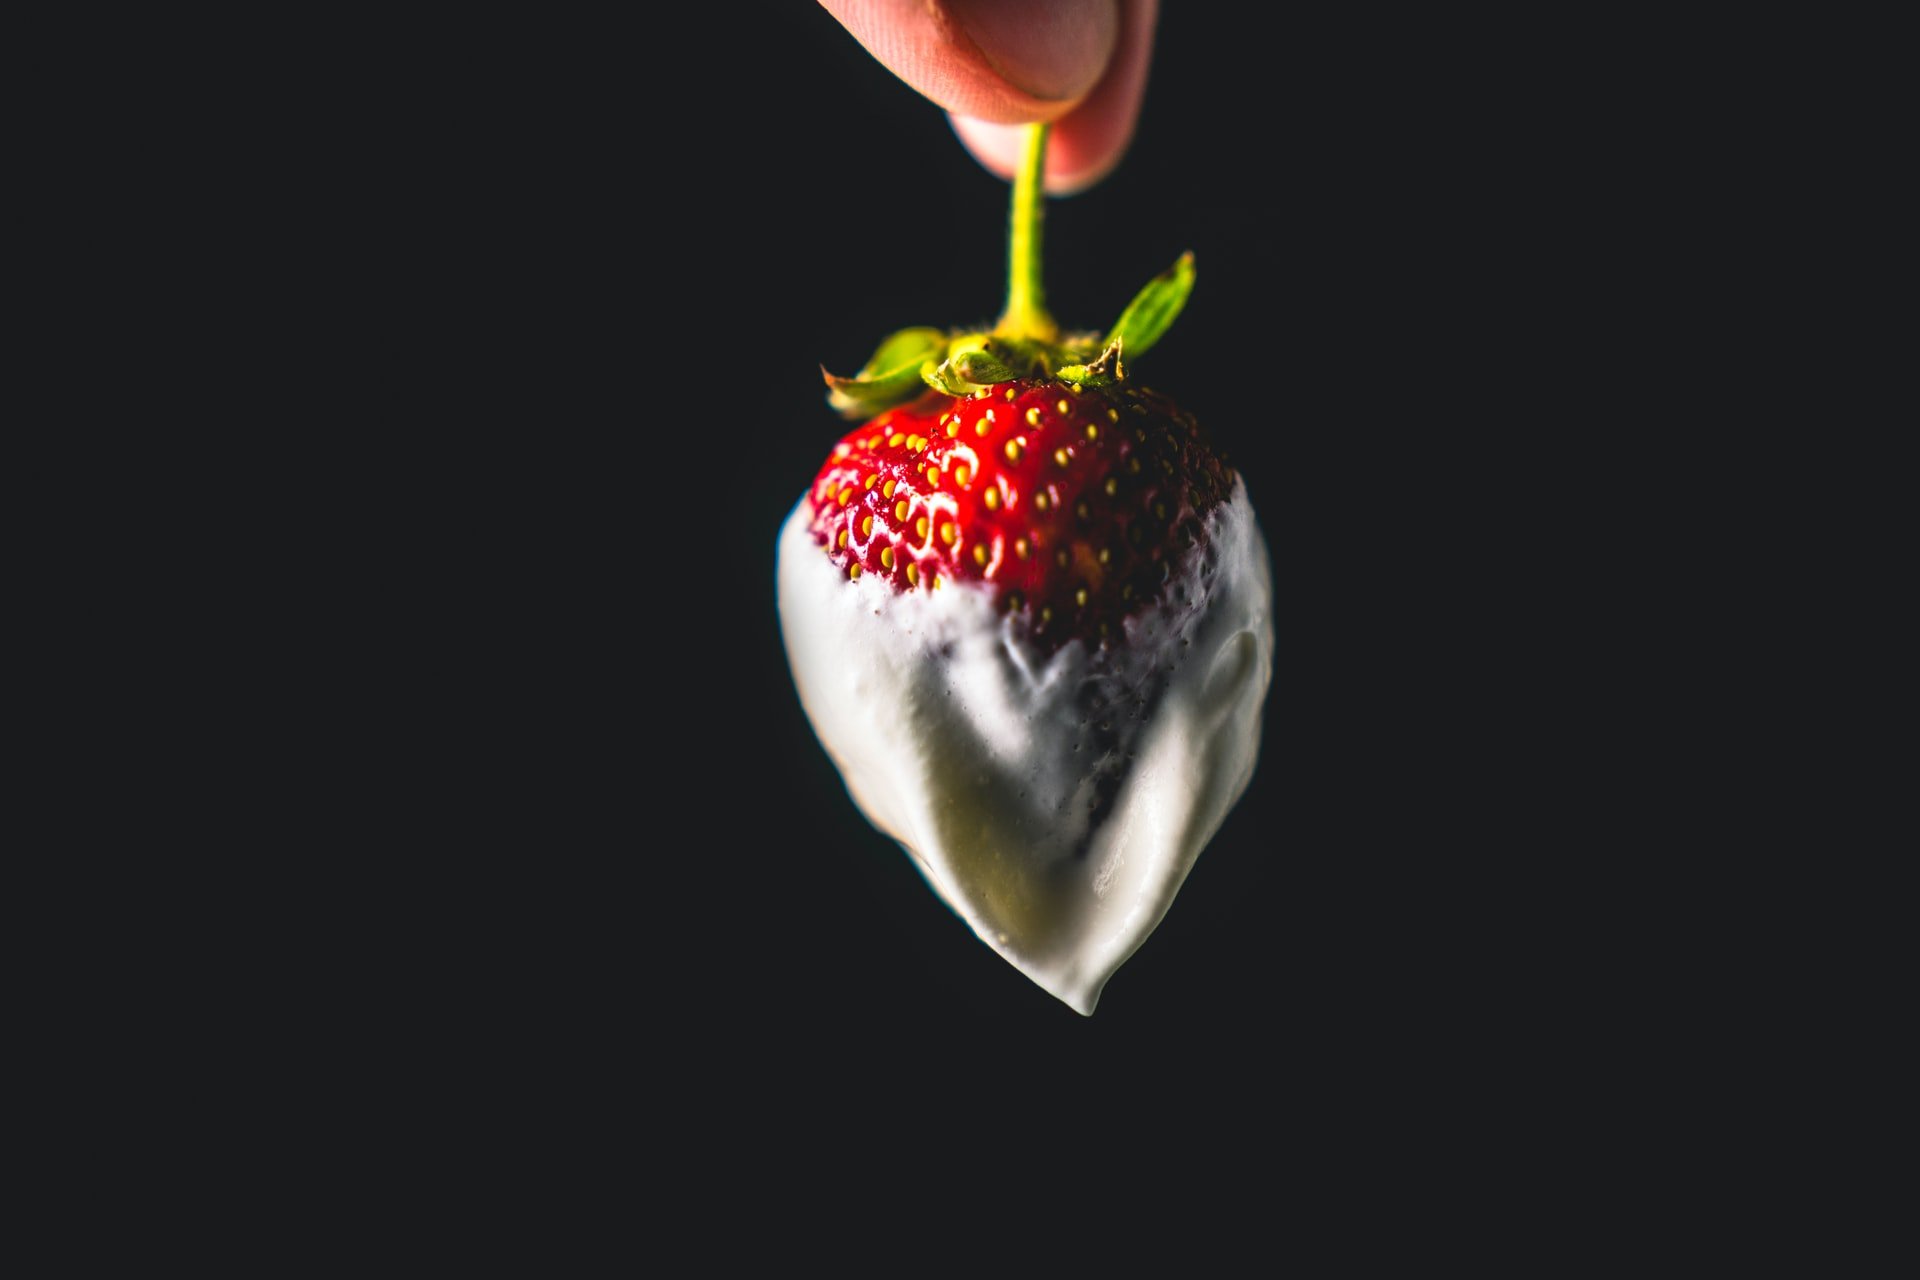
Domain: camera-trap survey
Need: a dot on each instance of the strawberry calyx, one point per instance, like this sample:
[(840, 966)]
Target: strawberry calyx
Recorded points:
[(1026, 344)]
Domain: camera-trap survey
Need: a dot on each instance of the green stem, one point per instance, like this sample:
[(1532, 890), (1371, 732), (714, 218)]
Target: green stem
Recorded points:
[(1026, 314)]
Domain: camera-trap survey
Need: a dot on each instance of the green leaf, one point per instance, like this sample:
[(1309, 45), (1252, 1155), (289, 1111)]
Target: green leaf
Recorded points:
[(890, 377), (1153, 309)]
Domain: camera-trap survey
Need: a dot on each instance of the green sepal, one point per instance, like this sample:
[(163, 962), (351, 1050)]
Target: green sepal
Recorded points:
[(1025, 357), (1153, 309), (961, 364), (1109, 368), (890, 377), (942, 376), (972, 363), (905, 347), (982, 367)]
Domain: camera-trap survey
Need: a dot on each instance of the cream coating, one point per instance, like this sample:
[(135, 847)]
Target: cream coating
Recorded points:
[(1055, 802)]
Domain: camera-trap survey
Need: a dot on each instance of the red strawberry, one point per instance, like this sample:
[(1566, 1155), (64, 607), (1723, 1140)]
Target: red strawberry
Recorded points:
[(1070, 502)]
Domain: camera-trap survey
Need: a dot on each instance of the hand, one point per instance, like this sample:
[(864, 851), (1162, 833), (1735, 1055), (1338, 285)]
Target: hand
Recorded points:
[(998, 64)]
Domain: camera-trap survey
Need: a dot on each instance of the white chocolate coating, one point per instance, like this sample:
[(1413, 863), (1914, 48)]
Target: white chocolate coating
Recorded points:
[(1055, 802)]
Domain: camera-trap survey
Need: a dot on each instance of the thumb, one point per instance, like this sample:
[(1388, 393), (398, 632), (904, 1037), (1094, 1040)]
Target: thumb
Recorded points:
[(1009, 61)]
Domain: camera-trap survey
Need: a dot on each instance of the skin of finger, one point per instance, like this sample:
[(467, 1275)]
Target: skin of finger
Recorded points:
[(928, 46), (1057, 50), (1088, 141)]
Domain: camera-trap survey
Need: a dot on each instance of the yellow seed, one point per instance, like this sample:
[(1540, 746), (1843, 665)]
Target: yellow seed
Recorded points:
[(1062, 457), (961, 475), (1009, 393), (870, 480), (980, 428), (1160, 510), (933, 477), (1113, 415), (1133, 465), (1093, 432), (842, 449), (920, 527), (953, 428), (887, 488), (843, 537), (1063, 407), (900, 509), (853, 570), (896, 441), (1080, 596), (845, 493), (1039, 502), (1080, 509), (1033, 416), (979, 554), (913, 574), (1126, 592), (992, 499), (946, 533), (1060, 558), (1021, 548), (1046, 614), (1112, 486), (938, 582), (866, 527), (1013, 451), (873, 442), (886, 556), (1105, 555)]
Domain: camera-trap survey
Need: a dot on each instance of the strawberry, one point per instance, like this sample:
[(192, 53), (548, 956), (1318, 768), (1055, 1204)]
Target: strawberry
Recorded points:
[(1068, 502), (1028, 611)]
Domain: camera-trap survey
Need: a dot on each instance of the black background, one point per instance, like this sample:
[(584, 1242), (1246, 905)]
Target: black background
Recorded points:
[(610, 262)]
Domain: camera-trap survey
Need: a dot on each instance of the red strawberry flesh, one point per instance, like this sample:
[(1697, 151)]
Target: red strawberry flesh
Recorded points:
[(1071, 506)]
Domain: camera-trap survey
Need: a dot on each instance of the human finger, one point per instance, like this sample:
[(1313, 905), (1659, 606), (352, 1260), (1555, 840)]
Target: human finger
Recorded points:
[(1088, 141), (1007, 61)]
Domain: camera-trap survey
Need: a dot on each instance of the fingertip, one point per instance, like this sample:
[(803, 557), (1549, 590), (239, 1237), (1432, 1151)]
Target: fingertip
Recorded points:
[(1088, 141), (1056, 50), (1007, 60)]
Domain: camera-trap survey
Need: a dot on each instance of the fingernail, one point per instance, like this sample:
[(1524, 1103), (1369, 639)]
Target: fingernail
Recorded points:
[(1052, 49)]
